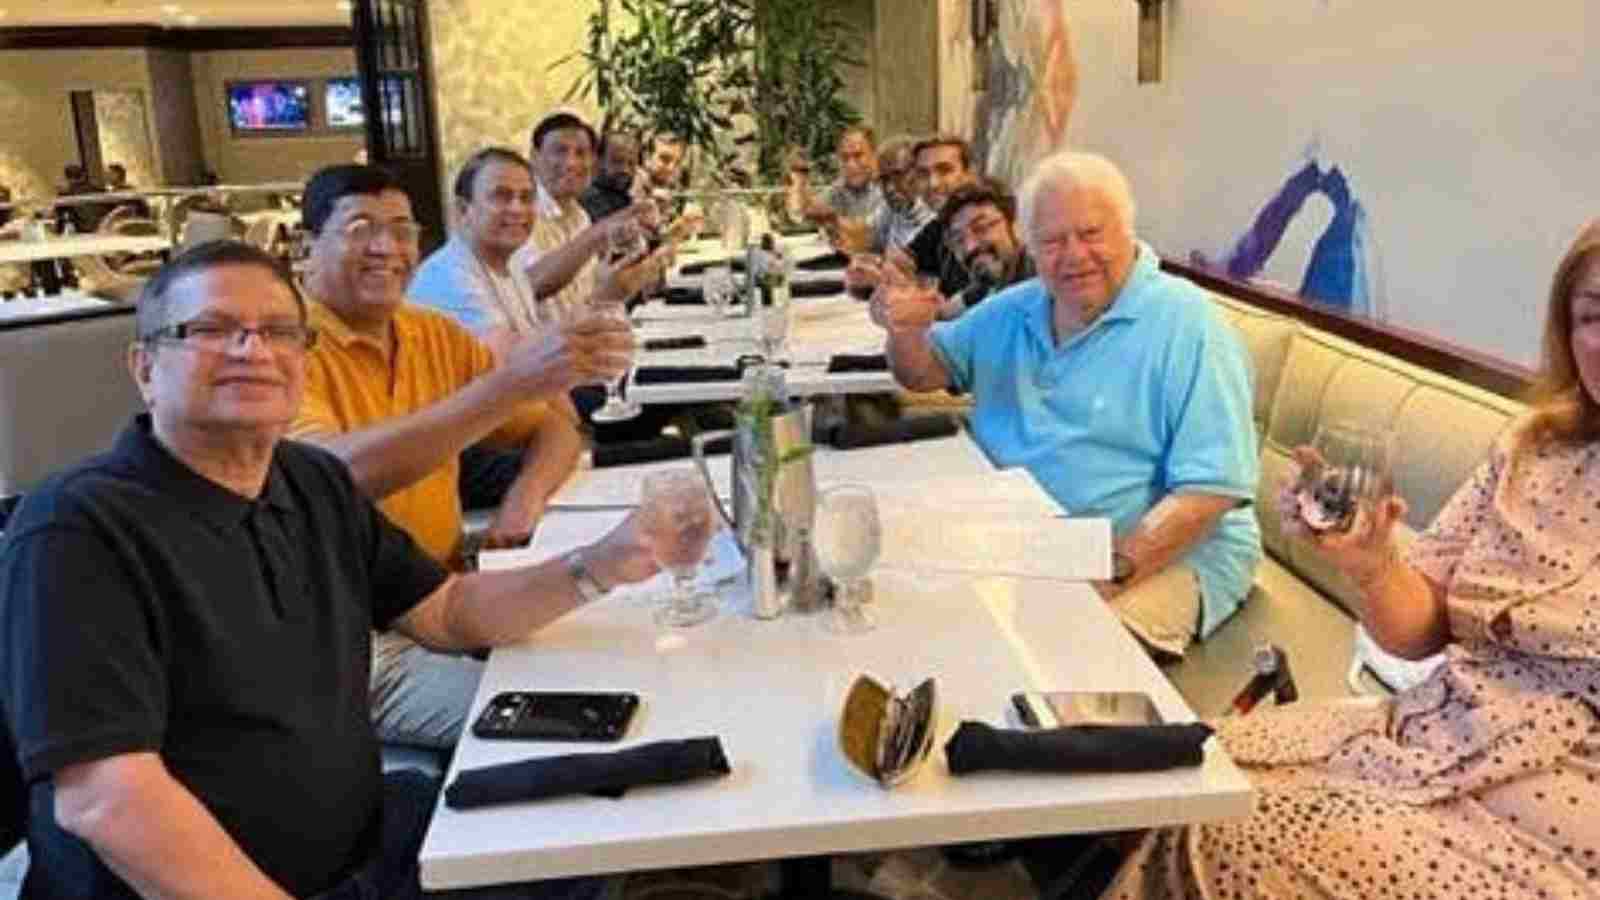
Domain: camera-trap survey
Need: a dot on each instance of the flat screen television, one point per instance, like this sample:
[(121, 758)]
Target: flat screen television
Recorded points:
[(342, 99), (269, 106)]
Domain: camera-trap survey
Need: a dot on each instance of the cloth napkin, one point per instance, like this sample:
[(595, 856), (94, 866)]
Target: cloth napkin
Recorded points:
[(683, 296), (684, 374), (687, 342), (663, 762), (699, 268), (816, 287), (977, 747), (823, 263), (858, 362), (849, 437), (624, 453)]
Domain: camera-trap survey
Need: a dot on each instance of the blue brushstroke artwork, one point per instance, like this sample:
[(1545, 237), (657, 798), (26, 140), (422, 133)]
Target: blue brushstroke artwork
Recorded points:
[(1338, 273)]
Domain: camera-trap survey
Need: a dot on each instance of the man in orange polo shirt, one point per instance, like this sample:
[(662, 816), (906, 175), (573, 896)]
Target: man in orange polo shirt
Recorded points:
[(397, 391)]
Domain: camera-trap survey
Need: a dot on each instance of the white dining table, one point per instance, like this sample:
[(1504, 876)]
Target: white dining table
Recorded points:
[(771, 691), (28, 308), (68, 246), (819, 328)]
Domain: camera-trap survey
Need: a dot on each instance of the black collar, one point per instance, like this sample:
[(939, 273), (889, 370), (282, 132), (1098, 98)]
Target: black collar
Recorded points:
[(164, 472)]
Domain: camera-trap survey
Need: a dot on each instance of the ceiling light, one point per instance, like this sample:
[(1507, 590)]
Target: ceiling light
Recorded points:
[(344, 6), (171, 9), (189, 19)]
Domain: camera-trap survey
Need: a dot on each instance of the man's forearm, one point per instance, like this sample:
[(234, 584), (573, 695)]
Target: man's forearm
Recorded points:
[(1170, 529), (547, 462), (555, 268), (396, 453), (913, 361), (154, 834)]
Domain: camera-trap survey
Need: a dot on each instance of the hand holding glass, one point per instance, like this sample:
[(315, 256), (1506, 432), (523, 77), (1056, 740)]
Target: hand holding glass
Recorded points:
[(677, 522), (616, 409), (1350, 467), (847, 538)]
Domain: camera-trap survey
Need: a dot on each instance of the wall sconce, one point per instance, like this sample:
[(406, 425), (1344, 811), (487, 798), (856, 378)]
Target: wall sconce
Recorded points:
[(1150, 35)]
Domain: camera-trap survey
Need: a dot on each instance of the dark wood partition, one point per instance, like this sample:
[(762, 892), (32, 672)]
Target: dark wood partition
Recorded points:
[(1479, 369)]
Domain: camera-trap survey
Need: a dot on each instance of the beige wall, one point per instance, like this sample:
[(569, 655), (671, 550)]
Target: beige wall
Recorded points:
[(905, 68), (491, 68), (254, 159), (34, 88)]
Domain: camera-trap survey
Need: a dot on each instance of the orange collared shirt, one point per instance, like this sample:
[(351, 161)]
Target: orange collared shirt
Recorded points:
[(354, 381)]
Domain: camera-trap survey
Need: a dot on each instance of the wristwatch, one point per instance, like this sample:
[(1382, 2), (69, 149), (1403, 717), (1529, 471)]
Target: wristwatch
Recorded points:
[(1121, 567), (589, 588)]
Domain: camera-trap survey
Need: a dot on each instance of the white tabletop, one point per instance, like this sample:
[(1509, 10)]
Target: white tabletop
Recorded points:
[(771, 690), (79, 245), (36, 307), (819, 327)]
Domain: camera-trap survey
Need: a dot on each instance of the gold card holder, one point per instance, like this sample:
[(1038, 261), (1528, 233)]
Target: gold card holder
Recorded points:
[(886, 736)]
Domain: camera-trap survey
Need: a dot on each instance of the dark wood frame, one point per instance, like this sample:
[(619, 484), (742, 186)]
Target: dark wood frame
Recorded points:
[(1478, 369), (188, 39)]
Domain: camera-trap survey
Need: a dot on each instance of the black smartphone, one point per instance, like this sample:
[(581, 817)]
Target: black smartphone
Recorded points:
[(557, 716)]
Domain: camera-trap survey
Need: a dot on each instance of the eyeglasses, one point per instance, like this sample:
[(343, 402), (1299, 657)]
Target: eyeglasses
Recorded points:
[(283, 338), (499, 198), (977, 228), (362, 232)]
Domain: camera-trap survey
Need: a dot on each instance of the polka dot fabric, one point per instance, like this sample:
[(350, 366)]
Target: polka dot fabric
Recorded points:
[(1483, 781)]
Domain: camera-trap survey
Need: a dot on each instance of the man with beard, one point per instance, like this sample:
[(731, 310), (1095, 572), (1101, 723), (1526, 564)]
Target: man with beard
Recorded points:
[(613, 187), (980, 230)]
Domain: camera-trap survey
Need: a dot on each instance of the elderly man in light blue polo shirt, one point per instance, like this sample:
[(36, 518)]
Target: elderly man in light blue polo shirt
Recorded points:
[(1119, 388)]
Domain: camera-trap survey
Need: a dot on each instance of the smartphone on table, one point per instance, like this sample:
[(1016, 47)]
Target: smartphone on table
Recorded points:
[(557, 715), (1053, 709)]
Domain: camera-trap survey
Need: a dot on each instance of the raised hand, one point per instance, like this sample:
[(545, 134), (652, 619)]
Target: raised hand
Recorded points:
[(589, 349)]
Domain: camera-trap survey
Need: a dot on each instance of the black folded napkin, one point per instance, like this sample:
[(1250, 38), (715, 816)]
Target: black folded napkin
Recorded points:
[(699, 268), (823, 263), (687, 342), (976, 747), (624, 453), (858, 362), (663, 762), (849, 437), (684, 374), (683, 296), (816, 287)]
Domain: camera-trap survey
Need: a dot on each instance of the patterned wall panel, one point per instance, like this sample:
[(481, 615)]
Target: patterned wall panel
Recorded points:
[(124, 134)]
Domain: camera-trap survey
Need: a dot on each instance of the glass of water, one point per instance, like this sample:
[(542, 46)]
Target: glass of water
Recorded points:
[(847, 537), (616, 409), (717, 285), (677, 522), (1354, 467)]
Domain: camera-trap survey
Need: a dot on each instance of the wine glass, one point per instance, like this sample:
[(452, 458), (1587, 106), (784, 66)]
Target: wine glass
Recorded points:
[(616, 409), (677, 523), (846, 535), (1354, 466), (734, 225), (717, 285)]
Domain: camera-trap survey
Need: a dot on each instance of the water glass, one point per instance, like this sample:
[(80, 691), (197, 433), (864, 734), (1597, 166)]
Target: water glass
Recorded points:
[(1354, 466), (677, 522), (733, 223), (847, 537)]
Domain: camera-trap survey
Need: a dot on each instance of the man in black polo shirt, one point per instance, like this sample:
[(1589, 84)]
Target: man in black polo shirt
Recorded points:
[(187, 624), (943, 164)]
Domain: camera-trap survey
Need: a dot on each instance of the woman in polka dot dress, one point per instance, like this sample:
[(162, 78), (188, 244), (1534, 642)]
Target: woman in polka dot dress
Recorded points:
[(1483, 781)]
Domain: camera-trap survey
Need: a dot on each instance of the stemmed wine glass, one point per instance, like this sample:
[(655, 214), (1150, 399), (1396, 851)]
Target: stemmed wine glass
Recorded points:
[(847, 538), (677, 522), (1354, 466), (616, 409), (717, 285)]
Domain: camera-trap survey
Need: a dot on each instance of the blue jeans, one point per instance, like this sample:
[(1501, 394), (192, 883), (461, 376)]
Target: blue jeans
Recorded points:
[(392, 872)]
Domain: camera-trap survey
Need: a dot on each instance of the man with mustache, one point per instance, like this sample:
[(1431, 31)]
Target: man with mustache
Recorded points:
[(980, 229), (398, 391), (1118, 386), (613, 187)]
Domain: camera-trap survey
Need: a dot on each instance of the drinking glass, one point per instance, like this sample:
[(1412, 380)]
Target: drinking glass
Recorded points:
[(616, 409), (677, 522), (846, 535), (625, 238), (863, 266), (733, 223), (1354, 467), (717, 285)]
